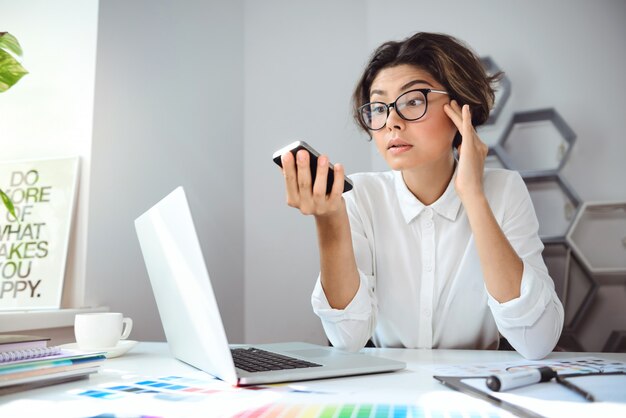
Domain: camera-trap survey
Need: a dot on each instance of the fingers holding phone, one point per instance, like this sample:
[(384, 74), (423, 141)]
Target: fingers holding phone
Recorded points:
[(291, 179), (303, 191), (313, 185), (328, 187), (324, 201)]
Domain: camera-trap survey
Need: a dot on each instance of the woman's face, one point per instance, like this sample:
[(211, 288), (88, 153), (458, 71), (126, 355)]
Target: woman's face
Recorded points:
[(411, 144)]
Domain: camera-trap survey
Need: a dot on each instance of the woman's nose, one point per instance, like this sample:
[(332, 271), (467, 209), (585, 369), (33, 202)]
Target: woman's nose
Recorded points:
[(394, 121)]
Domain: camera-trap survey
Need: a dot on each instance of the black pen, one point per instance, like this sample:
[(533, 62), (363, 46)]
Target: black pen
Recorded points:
[(575, 388), (512, 380)]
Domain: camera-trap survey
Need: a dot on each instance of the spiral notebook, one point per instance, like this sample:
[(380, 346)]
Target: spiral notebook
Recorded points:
[(28, 354), (16, 347)]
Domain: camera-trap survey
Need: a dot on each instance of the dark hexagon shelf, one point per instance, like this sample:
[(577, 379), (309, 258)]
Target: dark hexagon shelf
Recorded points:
[(557, 257), (556, 205), (616, 343), (604, 315), (579, 290), (598, 237), (573, 284), (536, 143), (568, 342)]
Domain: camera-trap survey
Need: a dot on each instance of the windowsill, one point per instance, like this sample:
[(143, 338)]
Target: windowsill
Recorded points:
[(12, 321)]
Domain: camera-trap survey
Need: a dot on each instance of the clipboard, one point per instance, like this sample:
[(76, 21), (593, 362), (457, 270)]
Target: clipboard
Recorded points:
[(456, 383), (608, 387)]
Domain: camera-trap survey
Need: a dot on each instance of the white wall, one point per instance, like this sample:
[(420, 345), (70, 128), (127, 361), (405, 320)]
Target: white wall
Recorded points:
[(49, 113)]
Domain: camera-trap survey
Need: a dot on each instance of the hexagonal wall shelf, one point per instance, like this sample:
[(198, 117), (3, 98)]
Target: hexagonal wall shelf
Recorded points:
[(604, 315), (572, 282), (489, 134), (536, 143), (568, 342), (557, 258), (503, 89), (579, 291), (555, 203), (616, 342), (493, 159), (598, 237)]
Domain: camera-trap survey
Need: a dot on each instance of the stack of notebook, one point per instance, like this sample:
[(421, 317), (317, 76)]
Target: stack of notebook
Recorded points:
[(27, 361)]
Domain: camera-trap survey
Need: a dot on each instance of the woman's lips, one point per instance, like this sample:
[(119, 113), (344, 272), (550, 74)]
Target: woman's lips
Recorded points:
[(399, 149), (397, 146)]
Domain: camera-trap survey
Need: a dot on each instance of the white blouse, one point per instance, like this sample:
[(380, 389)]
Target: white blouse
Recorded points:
[(421, 284)]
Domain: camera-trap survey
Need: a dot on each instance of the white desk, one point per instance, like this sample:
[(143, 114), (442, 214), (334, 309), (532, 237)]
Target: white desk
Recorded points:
[(413, 386)]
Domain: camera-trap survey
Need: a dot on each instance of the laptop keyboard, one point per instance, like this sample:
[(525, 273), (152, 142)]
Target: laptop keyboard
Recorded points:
[(256, 360)]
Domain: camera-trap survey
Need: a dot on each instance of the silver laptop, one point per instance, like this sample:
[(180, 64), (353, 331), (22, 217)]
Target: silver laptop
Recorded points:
[(191, 319)]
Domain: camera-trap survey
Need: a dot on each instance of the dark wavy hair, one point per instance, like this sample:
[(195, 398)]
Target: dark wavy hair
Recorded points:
[(453, 64)]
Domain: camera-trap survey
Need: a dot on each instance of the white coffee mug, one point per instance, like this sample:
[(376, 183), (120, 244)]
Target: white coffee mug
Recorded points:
[(101, 330)]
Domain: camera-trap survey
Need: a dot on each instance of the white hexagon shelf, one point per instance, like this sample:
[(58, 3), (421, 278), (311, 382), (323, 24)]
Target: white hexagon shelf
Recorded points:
[(598, 237), (503, 89), (536, 143), (555, 203)]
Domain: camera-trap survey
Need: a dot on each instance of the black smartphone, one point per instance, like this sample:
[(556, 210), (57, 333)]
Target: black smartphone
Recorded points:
[(294, 147)]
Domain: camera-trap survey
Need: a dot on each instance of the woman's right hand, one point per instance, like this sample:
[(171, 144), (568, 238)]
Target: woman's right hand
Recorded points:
[(307, 195)]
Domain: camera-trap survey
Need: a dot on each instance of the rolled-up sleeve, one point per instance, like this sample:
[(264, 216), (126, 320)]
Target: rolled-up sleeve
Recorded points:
[(531, 323), (348, 328)]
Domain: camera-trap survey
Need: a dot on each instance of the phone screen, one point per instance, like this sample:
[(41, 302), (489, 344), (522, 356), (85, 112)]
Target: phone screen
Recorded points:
[(297, 146)]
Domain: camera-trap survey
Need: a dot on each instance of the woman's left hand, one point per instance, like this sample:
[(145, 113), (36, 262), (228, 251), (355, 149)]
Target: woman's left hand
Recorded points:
[(472, 153)]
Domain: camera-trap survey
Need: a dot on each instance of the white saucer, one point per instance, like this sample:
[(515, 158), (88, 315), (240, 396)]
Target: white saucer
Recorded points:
[(122, 347)]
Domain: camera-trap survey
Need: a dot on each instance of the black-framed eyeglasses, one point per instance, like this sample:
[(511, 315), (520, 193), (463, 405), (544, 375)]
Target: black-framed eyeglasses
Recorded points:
[(411, 105)]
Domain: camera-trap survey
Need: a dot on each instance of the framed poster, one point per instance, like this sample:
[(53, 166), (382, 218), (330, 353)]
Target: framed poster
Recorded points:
[(34, 244)]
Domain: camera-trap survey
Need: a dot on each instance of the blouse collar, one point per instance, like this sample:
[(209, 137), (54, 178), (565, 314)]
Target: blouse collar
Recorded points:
[(447, 205)]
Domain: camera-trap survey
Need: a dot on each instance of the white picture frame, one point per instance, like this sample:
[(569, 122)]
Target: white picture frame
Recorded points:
[(34, 246)]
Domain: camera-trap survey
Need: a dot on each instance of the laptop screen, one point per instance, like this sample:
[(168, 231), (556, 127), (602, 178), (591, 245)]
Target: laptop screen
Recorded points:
[(182, 287)]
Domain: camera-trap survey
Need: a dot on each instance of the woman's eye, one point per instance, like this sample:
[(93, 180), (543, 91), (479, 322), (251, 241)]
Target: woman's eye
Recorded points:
[(414, 102), (378, 110)]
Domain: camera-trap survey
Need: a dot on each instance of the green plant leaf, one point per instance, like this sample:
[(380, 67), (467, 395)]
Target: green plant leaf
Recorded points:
[(11, 71), (8, 203), (8, 42)]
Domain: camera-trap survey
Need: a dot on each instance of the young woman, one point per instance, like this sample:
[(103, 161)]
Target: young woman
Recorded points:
[(439, 252)]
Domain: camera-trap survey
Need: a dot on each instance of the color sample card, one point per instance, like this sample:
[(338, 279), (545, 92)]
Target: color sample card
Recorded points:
[(363, 411), (579, 365), (170, 388), (187, 396)]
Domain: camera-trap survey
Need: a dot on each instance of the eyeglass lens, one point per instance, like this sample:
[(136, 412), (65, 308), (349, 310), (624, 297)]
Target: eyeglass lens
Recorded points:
[(410, 106)]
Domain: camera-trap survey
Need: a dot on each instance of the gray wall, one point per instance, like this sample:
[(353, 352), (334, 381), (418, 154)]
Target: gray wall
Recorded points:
[(302, 60), (168, 112), (282, 71)]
